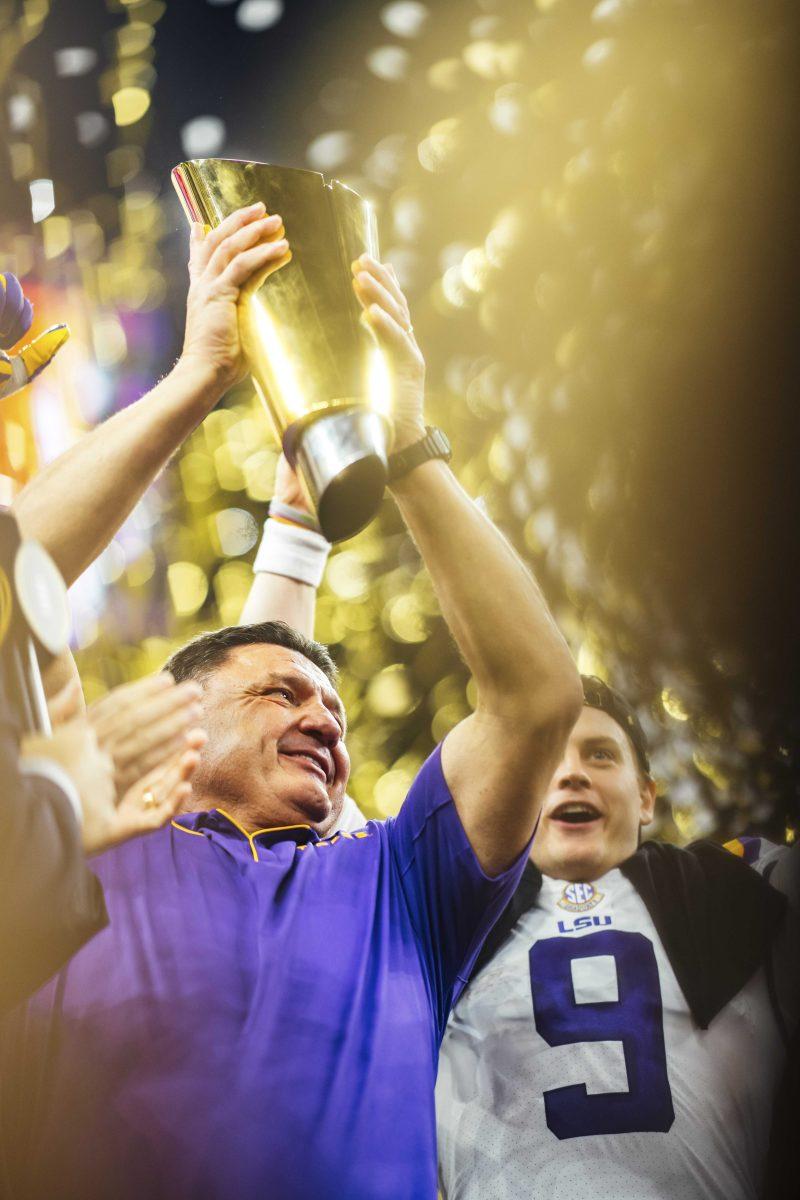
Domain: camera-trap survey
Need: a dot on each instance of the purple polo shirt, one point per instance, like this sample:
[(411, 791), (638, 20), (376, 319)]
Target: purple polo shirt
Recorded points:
[(261, 1019)]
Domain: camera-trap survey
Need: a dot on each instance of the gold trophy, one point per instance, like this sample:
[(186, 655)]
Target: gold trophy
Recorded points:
[(318, 371)]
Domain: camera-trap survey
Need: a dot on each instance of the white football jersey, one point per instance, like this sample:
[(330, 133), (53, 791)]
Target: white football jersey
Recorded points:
[(572, 1066)]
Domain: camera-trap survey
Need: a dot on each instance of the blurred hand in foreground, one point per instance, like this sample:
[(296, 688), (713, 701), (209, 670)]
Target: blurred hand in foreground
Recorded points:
[(158, 796), (131, 757), (73, 747), (144, 724)]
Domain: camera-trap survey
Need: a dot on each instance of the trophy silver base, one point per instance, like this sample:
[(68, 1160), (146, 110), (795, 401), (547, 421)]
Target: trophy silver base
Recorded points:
[(341, 457)]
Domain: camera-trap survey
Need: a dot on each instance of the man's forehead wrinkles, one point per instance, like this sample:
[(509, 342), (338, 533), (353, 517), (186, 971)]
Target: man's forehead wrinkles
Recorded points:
[(276, 675), (266, 657)]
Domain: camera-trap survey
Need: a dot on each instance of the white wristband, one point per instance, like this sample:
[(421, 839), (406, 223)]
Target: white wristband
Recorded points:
[(290, 550)]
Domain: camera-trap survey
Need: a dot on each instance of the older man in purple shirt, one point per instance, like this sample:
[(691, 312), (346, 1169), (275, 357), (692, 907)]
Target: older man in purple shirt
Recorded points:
[(263, 1015)]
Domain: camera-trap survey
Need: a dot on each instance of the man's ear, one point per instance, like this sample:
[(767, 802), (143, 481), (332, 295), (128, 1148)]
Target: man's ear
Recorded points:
[(647, 793)]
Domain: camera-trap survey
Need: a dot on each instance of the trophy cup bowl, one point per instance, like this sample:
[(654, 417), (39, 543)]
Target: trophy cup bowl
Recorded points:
[(317, 370)]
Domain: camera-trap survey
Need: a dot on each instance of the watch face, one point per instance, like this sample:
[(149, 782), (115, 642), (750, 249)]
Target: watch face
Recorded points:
[(42, 596)]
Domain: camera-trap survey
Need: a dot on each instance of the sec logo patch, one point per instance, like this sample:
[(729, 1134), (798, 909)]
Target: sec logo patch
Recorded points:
[(579, 897)]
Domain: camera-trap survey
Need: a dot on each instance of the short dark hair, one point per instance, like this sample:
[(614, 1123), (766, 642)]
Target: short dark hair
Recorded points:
[(599, 694), (207, 651)]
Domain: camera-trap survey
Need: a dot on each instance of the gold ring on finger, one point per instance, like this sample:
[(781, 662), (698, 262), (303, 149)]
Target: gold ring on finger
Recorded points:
[(149, 800)]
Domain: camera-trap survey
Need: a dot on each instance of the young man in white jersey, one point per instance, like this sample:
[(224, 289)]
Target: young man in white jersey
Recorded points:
[(624, 1030)]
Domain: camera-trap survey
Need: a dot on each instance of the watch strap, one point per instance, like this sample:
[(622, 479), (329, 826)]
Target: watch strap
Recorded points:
[(434, 444)]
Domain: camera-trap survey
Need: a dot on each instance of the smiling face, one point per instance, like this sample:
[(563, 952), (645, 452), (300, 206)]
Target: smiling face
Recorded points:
[(596, 803), (275, 753)]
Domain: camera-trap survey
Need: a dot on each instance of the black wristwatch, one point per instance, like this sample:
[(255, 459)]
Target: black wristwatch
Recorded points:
[(433, 445)]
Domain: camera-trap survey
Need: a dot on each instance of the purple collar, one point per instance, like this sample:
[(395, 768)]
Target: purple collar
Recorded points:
[(219, 823)]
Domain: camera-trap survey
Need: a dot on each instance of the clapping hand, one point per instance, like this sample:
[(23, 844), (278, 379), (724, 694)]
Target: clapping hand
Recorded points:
[(144, 724), (146, 739)]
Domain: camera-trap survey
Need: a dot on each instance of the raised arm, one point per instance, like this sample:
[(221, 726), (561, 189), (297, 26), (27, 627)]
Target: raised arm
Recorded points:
[(499, 760), (290, 561), (77, 503), (286, 574)]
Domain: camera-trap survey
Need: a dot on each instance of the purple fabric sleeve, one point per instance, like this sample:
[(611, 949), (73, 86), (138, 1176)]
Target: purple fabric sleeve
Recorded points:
[(452, 902)]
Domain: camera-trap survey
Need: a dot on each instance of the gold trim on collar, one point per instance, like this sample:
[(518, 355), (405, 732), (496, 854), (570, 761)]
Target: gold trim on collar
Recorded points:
[(193, 832), (251, 836)]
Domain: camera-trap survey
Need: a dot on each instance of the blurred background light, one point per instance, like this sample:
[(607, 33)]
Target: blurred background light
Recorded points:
[(390, 693), (405, 18), (42, 198), (236, 531), (74, 60), (331, 150), (203, 137), (188, 587), (388, 62), (92, 127), (21, 112), (257, 15), (130, 104)]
